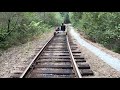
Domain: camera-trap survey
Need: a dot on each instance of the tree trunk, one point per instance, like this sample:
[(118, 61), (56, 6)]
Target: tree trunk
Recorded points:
[(8, 25)]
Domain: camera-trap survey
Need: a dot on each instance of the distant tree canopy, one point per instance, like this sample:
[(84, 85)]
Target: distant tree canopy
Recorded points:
[(65, 15), (19, 27), (102, 27), (67, 20)]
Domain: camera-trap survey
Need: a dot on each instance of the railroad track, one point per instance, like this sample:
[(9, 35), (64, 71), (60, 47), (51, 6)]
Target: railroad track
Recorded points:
[(59, 58)]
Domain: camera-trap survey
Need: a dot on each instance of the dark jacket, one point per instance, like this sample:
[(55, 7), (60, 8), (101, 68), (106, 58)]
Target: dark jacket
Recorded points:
[(58, 29), (63, 27)]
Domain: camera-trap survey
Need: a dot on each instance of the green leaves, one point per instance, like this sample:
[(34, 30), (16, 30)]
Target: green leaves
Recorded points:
[(24, 26), (104, 27)]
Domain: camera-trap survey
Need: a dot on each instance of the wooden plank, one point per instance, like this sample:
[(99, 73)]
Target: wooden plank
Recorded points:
[(54, 66), (76, 52), (56, 57), (78, 57), (60, 60), (56, 51), (59, 54), (53, 71), (51, 76), (86, 72), (83, 66)]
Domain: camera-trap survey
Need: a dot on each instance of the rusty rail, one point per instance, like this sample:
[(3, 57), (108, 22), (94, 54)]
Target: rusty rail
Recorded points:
[(74, 64), (35, 58)]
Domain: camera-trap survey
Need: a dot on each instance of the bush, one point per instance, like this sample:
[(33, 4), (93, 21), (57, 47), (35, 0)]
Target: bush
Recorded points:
[(103, 27), (19, 27)]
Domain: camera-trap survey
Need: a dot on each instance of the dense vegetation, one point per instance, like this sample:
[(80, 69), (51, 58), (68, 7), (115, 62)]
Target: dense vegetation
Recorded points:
[(65, 16), (19, 27), (101, 27)]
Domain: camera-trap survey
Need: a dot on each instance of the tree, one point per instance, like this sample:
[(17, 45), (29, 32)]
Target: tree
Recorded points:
[(101, 27)]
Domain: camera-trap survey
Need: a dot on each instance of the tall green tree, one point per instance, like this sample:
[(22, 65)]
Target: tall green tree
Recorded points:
[(101, 27), (20, 27)]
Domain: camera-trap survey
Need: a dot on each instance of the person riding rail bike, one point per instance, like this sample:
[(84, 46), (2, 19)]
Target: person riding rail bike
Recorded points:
[(63, 27), (57, 31)]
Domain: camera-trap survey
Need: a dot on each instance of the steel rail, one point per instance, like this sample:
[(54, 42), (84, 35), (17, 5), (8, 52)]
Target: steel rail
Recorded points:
[(74, 64), (35, 58)]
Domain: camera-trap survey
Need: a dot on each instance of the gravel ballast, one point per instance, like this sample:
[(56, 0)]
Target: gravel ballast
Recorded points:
[(17, 58), (100, 68)]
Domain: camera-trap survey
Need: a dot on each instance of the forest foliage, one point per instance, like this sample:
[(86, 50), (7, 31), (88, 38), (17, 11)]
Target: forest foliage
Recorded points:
[(19, 27), (100, 27)]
